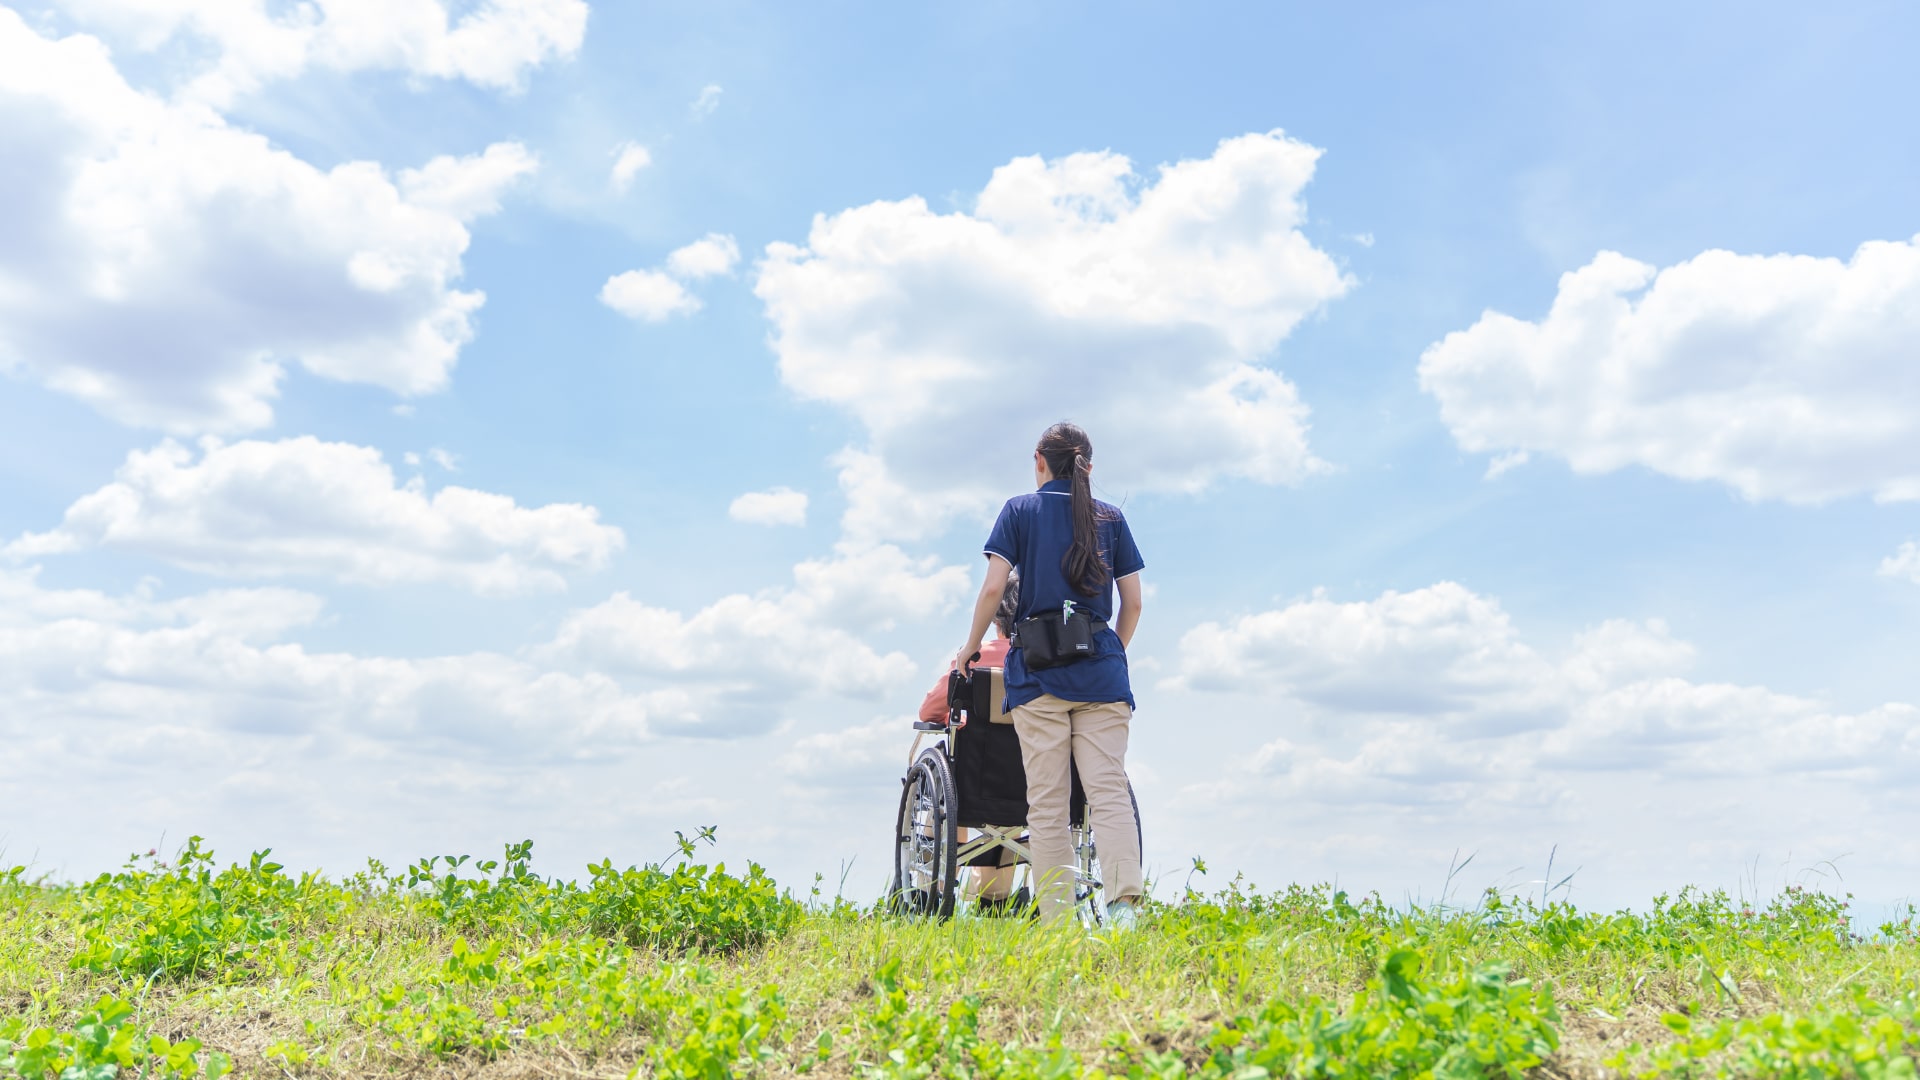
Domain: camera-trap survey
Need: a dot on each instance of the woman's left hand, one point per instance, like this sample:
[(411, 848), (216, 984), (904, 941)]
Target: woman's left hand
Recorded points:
[(963, 660)]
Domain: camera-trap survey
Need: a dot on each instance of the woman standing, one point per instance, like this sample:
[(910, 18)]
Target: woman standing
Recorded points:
[(1066, 674)]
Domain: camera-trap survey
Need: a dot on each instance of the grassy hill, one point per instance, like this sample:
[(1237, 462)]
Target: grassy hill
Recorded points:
[(178, 968)]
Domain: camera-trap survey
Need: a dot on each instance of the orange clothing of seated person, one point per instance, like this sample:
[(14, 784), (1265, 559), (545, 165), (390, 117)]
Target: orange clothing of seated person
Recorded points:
[(992, 654)]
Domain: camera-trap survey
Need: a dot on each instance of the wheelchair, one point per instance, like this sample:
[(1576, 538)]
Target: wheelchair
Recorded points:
[(972, 777)]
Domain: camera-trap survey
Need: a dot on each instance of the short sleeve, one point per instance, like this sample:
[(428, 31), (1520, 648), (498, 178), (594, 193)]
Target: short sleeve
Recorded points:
[(1125, 555), (1004, 540)]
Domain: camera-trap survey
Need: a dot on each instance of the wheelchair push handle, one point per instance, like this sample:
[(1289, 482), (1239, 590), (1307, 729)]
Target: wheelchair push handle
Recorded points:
[(959, 694)]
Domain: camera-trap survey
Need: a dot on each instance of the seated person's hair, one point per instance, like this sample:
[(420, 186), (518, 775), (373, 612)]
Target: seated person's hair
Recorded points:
[(1009, 604)]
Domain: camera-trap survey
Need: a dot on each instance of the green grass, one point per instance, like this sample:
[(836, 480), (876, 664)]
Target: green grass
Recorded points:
[(452, 967)]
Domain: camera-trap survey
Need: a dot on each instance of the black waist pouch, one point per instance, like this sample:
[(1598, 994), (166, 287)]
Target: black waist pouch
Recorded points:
[(1051, 639)]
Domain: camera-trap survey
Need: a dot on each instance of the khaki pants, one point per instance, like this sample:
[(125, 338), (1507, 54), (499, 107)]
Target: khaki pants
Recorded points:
[(1092, 735)]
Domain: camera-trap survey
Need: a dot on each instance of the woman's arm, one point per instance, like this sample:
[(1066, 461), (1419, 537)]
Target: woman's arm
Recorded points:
[(1129, 609), (983, 609)]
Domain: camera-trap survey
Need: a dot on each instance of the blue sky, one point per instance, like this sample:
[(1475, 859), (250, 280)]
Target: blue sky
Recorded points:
[(1674, 640)]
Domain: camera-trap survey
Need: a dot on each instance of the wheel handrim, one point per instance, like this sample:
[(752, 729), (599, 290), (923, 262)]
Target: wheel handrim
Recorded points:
[(918, 858)]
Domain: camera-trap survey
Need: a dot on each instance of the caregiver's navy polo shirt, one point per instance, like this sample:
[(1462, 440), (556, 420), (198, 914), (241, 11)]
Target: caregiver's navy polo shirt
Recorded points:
[(1033, 533)]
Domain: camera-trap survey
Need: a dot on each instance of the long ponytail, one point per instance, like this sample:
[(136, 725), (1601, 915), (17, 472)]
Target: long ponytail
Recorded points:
[(1069, 455)]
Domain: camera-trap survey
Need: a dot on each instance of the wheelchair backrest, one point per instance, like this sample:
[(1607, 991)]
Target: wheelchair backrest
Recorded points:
[(982, 694), (987, 696), (997, 696)]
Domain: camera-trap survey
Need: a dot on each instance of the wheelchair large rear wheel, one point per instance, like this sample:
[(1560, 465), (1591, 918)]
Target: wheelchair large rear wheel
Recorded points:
[(1089, 891), (926, 874)]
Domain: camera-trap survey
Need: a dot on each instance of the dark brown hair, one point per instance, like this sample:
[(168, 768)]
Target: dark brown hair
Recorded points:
[(1069, 454), (1009, 605)]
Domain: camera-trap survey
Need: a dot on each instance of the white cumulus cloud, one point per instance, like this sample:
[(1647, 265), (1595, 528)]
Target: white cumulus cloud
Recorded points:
[(712, 254), (1434, 651), (492, 43), (1432, 696), (318, 509), (84, 673), (629, 159), (648, 295), (775, 506), (1146, 308), (875, 588), (465, 188), (164, 266), (1904, 563), (87, 675), (848, 758), (655, 295), (1784, 377), (736, 665)]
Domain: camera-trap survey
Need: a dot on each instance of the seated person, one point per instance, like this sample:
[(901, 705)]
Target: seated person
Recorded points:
[(992, 885)]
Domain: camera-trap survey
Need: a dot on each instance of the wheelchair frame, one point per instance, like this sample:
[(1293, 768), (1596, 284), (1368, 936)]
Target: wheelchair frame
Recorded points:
[(928, 854)]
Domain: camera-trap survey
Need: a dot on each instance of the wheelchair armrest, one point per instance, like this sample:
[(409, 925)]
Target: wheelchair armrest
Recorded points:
[(927, 725)]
